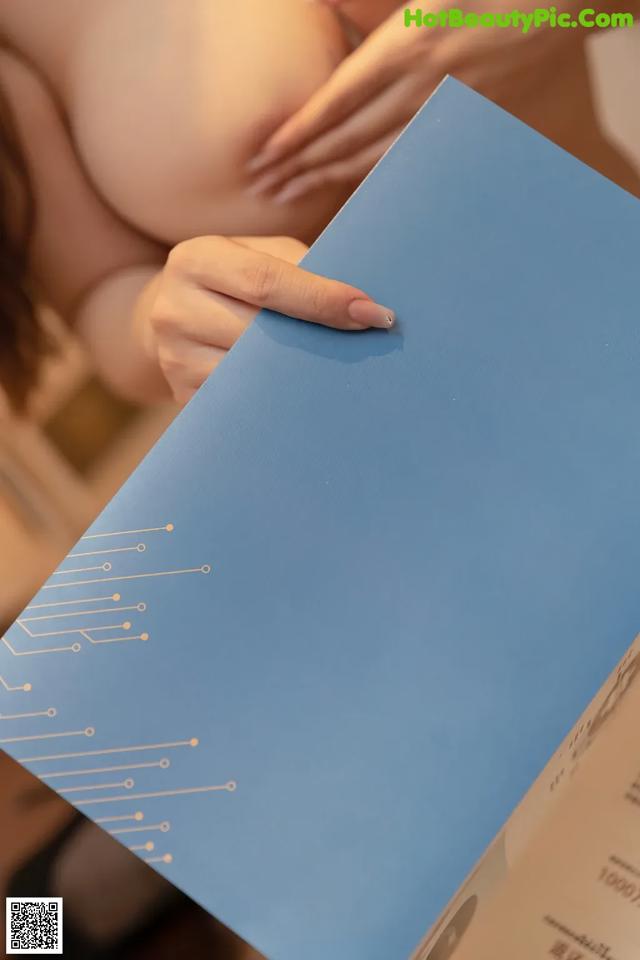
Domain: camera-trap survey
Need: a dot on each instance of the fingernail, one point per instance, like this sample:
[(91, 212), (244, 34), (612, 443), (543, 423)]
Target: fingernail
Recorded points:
[(290, 192), (262, 185), (256, 163), (370, 314), (261, 160)]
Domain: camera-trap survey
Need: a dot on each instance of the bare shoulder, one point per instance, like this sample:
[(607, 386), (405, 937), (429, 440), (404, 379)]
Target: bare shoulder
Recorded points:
[(79, 240)]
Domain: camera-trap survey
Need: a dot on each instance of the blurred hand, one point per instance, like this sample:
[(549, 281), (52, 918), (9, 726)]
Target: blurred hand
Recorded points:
[(344, 129), (211, 288)]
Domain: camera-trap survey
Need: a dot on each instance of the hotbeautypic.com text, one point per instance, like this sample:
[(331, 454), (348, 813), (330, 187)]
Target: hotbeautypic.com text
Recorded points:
[(523, 20)]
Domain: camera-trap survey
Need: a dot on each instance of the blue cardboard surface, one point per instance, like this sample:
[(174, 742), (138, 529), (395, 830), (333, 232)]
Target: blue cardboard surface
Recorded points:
[(332, 628)]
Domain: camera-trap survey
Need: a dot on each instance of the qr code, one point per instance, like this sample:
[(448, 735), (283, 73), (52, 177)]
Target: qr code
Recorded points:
[(34, 925)]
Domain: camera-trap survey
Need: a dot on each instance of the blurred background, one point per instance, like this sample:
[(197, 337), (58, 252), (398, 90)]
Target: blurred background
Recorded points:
[(116, 907), (58, 468), (61, 465)]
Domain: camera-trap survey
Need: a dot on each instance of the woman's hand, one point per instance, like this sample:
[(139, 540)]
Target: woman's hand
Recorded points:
[(344, 129), (210, 290)]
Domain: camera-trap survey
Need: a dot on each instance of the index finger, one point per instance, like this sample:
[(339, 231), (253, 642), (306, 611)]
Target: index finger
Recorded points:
[(226, 266)]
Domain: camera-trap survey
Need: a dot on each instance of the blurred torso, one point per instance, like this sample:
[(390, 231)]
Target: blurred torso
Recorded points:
[(165, 102)]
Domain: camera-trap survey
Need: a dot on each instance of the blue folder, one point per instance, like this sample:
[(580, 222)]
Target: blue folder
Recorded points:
[(325, 637)]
